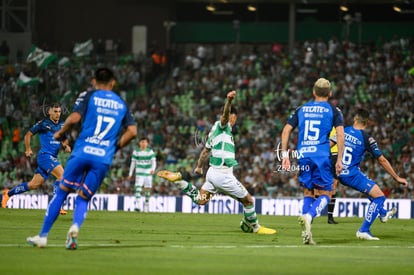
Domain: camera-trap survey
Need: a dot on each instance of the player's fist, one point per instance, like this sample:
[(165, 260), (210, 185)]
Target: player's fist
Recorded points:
[(29, 153), (198, 170), (231, 94)]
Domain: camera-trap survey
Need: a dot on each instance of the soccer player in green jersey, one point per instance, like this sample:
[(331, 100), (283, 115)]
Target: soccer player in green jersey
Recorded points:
[(220, 178)]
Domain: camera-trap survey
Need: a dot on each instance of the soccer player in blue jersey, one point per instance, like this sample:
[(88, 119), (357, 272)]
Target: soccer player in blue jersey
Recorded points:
[(314, 120), (47, 157), (107, 125), (357, 142)]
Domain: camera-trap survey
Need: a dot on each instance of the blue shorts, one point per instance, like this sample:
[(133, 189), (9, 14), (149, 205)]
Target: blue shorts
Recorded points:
[(358, 181), (45, 164), (84, 174), (316, 173)]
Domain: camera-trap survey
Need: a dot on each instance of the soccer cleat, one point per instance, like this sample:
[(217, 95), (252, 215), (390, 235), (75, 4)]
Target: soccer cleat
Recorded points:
[(5, 199), (170, 176), (332, 221), (72, 237), (305, 221), (366, 236), (265, 231), (63, 212), (388, 215), (37, 241)]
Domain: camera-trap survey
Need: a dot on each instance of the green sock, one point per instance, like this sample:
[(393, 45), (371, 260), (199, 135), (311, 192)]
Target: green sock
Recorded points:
[(192, 192), (138, 190), (250, 215)]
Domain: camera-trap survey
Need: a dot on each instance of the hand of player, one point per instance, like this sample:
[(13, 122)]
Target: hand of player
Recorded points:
[(68, 149), (338, 167), (57, 135), (231, 95), (402, 181), (29, 153), (198, 171), (286, 164)]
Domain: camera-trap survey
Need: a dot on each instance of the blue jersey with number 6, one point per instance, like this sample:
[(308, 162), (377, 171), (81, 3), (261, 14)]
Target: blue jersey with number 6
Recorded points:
[(104, 114), (315, 120), (357, 142)]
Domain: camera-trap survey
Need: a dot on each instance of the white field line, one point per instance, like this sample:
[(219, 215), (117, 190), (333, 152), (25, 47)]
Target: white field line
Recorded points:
[(214, 246)]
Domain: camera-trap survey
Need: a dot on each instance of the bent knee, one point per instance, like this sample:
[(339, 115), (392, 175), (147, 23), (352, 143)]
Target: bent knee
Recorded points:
[(202, 202)]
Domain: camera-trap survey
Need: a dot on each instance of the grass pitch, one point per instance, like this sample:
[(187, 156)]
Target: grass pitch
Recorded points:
[(176, 243)]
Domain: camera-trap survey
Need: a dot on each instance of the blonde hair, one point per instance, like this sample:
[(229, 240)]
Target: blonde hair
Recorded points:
[(322, 87)]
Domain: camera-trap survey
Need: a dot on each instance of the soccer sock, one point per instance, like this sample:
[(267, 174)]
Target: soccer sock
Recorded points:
[(138, 190), (318, 205), (331, 207), (307, 204), (21, 188), (81, 209), (52, 211), (56, 186), (250, 216), (382, 210), (189, 189), (372, 213)]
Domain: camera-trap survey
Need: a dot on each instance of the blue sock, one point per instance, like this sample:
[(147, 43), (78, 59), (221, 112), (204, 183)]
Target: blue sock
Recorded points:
[(81, 208), (56, 186), (372, 213), (21, 188), (307, 204), (382, 211), (52, 211), (318, 205)]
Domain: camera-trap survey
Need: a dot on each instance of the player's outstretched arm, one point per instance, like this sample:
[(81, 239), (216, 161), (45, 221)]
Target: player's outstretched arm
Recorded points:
[(27, 138), (340, 142), (203, 156), (226, 111), (387, 166), (285, 140)]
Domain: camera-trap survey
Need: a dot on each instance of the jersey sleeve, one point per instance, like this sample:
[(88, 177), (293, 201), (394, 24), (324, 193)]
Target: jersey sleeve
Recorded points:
[(338, 118), (293, 119), (37, 127), (128, 118), (371, 146), (81, 102), (209, 144)]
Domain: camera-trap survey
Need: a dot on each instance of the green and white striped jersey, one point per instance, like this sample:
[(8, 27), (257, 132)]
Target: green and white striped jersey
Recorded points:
[(143, 161), (220, 141)]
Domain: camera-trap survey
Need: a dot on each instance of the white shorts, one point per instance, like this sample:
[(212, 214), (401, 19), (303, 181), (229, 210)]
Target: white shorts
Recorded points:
[(143, 181), (222, 180)]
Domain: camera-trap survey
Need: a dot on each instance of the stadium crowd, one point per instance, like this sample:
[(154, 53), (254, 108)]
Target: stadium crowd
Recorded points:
[(175, 104)]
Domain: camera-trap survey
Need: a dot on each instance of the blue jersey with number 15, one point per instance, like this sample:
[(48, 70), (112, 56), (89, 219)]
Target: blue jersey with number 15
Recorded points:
[(104, 115), (315, 120)]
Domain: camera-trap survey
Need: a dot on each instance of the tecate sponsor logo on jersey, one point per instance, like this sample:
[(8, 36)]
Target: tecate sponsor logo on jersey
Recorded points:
[(315, 109), (108, 103), (94, 151)]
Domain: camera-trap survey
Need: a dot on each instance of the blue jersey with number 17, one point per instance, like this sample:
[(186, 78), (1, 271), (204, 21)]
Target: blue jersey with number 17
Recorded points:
[(104, 115), (315, 120)]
